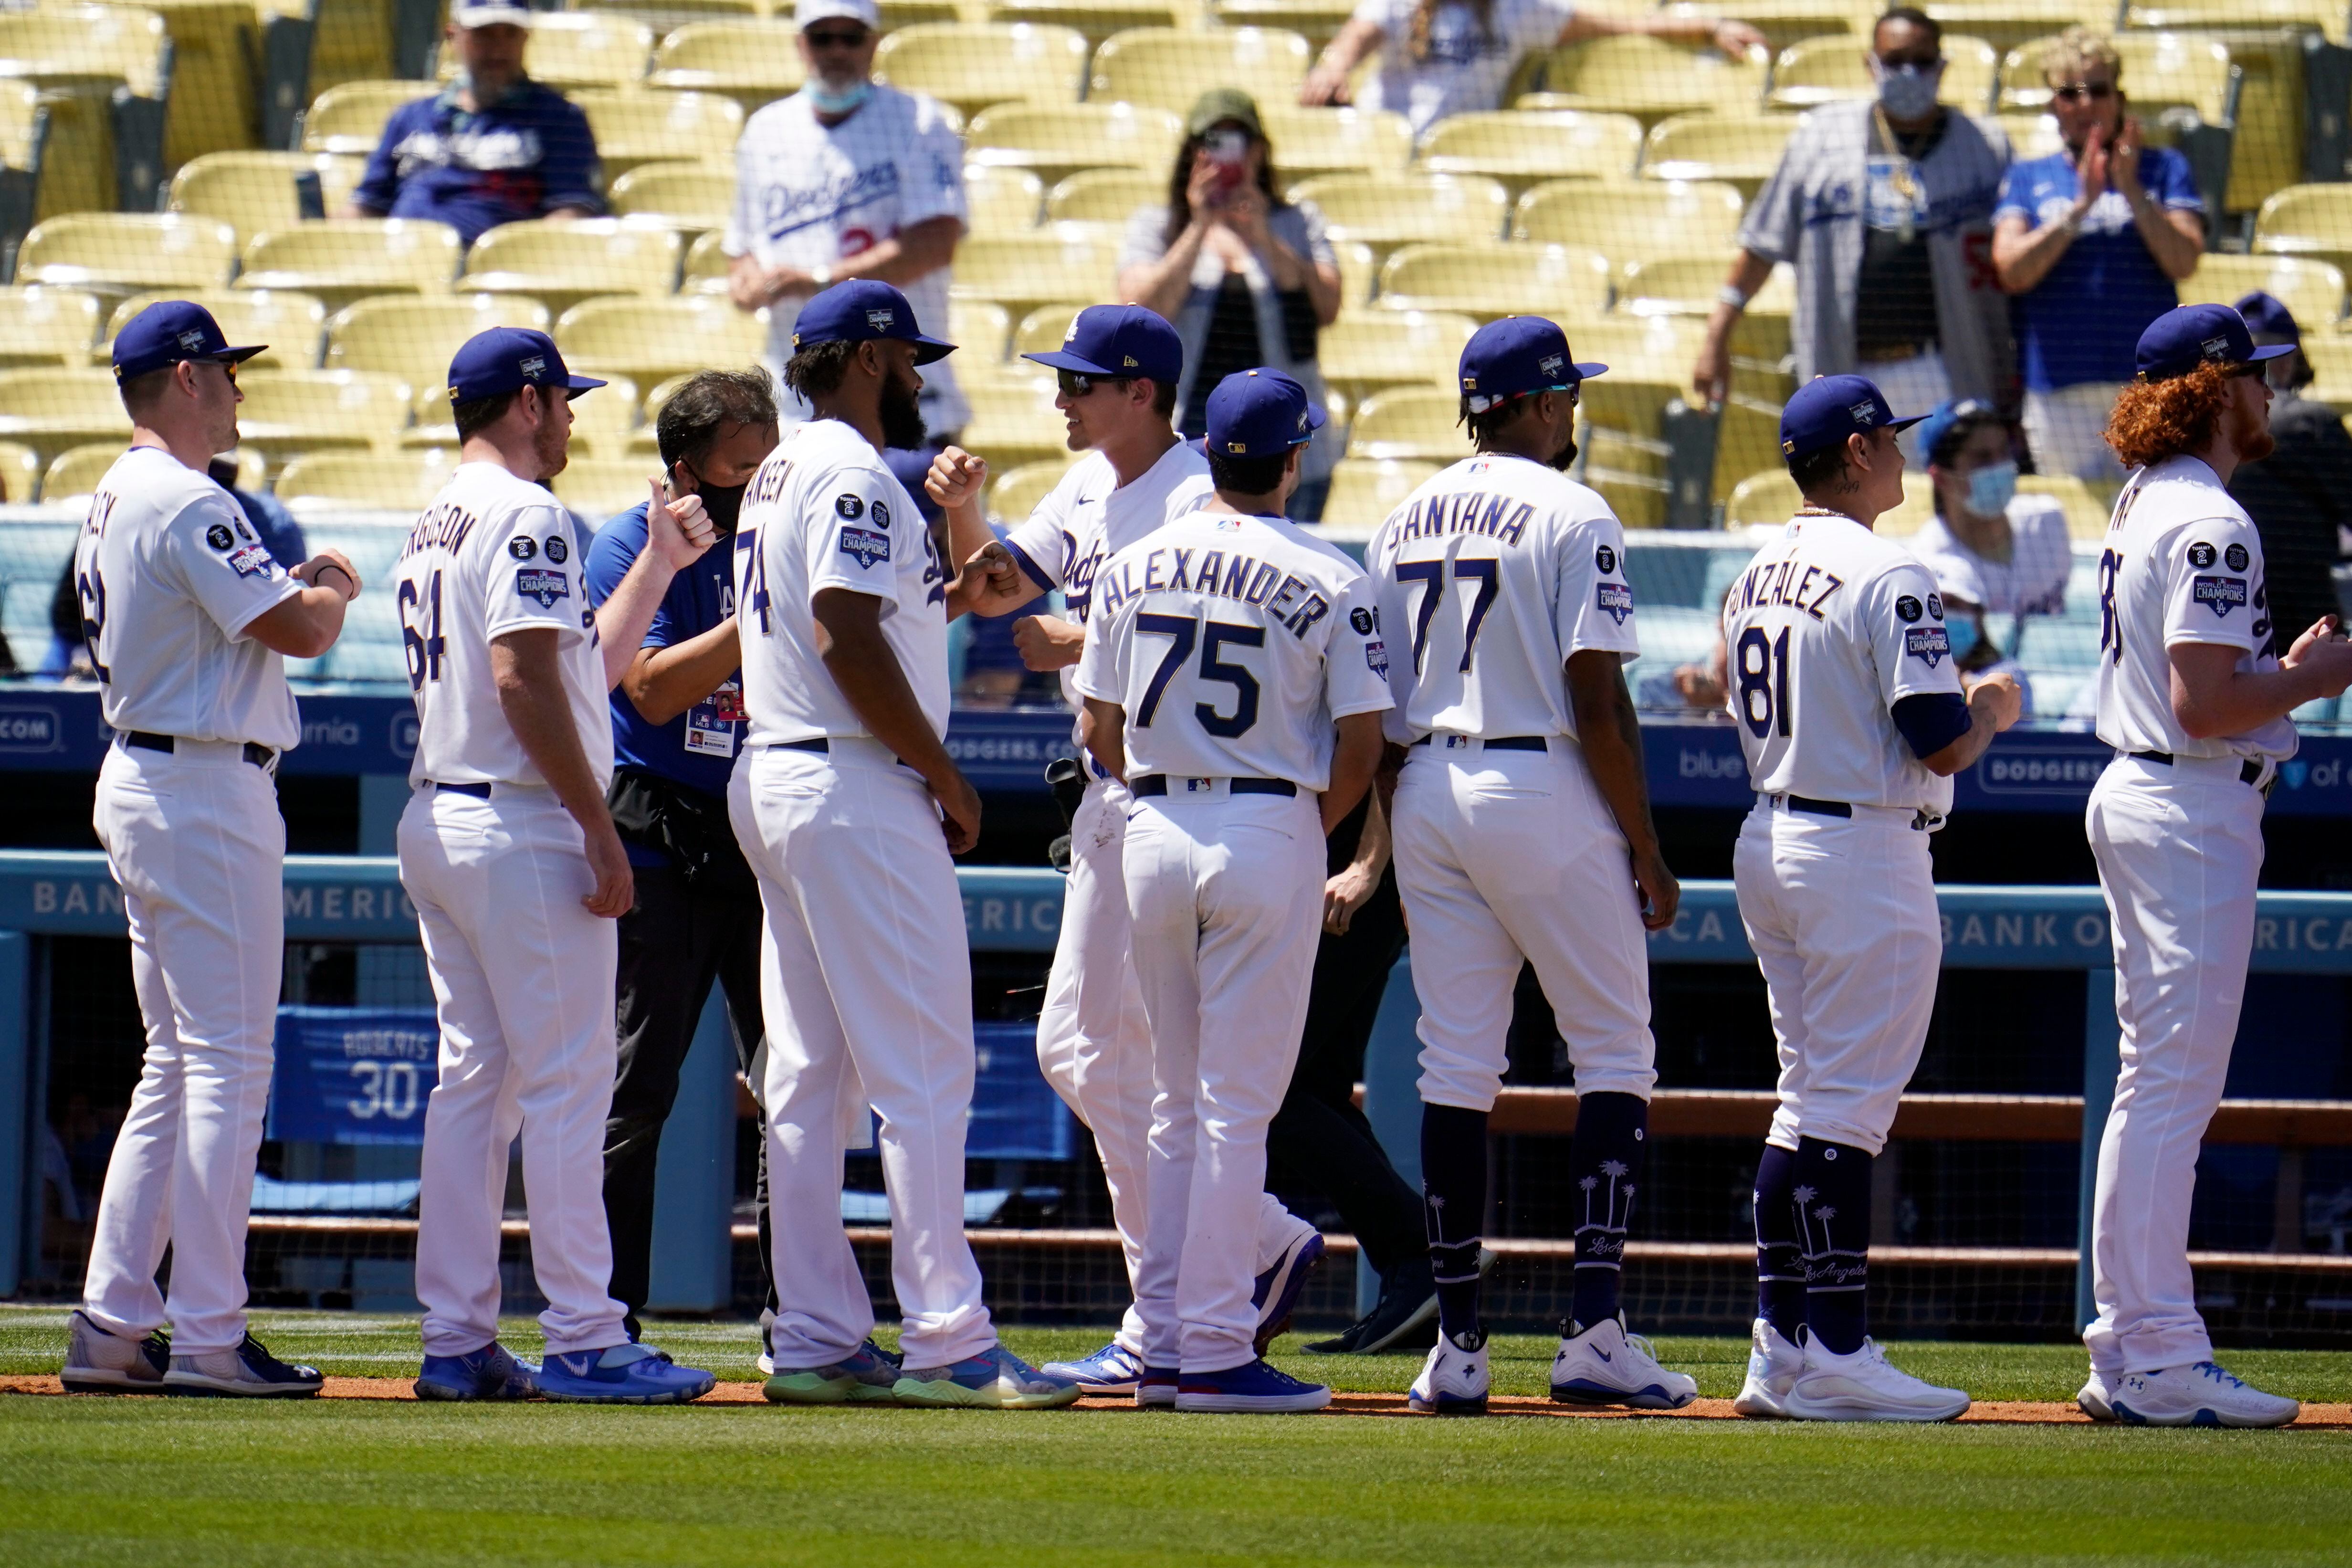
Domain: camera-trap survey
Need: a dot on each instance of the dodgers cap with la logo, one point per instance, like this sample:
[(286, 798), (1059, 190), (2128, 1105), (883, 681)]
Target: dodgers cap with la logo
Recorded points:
[(2190, 335), (1517, 355), (861, 310), (1123, 341), (1829, 409), (171, 331), (507, 359), (1259, 413)]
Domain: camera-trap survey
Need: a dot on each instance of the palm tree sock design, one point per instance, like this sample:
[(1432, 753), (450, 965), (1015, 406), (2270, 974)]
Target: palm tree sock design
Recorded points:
[(1780, 1262), (1454, 1208), (1606, 1160), (1832, 1199)]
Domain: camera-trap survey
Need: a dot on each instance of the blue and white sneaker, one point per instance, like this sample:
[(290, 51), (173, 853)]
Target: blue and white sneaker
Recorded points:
[(101, 1362), (1452, 1381), (622, 1374), (490, 1372), (1603, 1365), (864, 1376), (1275, 1292), (2203, 1394), (1114, 1369), (1254, 1387), (247, 1372), (995, 1379), (1156, 1389)]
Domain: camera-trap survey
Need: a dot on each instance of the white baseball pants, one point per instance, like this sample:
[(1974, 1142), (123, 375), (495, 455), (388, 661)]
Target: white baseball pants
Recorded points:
[(2178, 849), (1226, 894), (864, 975), (2067, 431), (194, 838), (1842, 914), (1093, 1043), (1506, 857), (523, 980)]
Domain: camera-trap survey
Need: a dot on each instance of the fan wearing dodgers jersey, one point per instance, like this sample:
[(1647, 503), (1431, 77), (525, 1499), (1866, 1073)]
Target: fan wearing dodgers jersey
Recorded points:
[(188, 622), (1234, 678), (1118, 369), (1523, 835), (1853, 719), (508, 852), (2195, 698)]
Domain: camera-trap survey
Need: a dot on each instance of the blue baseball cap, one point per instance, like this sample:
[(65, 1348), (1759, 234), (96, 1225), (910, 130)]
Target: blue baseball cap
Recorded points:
[(1515, 355), (171, 331), (507, 359), (860, 311), (2268, 320), (1829, 409), (1949, 413), (1125, 341), (2190, 335), (1259, 414)]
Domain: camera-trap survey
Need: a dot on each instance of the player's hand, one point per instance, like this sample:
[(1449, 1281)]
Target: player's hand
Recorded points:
[(956, 479), (959, 813), (2323, 650), (308, 572), (1711, 378), (1661, 894), (617, 890), (1343, 895), (1997, 698), (1000, 574), (1046, 644), (679, 530)]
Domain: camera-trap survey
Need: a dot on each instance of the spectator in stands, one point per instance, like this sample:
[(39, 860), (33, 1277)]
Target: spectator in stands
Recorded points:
[(1994, 552), (1246, 277), (1455, 56), (2091, 240), (2300, 497), (848, 178), (1884, 205), (494, 147)]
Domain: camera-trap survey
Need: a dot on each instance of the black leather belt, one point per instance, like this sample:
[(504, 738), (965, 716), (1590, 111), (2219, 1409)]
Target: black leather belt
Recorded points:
[(1505, 743), (814, 744), (1157, 784), (1817, 808), (2249, 771), (259, 755), (478, 791)]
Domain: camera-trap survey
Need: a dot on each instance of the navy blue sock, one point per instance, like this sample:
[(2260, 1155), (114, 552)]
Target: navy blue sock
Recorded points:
[(1606, 1161), (1780, 1268), (1833, 1206), (1454, 1208)]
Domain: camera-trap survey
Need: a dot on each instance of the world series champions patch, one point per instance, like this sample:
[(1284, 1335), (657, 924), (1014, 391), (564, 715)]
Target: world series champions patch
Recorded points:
[(543, 586), (1929, 645), (2220, 595), (864, 545), (1615, 599)]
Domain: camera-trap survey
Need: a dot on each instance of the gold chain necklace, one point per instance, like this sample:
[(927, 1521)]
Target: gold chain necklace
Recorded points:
[(1905, 184)]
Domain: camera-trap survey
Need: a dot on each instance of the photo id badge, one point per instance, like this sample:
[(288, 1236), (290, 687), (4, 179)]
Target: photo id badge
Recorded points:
[(710, 724)]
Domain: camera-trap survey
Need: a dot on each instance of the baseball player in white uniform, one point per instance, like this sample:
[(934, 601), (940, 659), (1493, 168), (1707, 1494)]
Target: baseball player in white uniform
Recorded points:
[(2194, 698), (1233, 677), (1523, 834), (1119, 368), (1854, 721), (848, 807), (189, 624), (508, 852)]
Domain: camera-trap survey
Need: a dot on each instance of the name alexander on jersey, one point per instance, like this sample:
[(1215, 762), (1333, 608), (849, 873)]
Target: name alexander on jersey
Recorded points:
[(1770, 584), (1225, 575)]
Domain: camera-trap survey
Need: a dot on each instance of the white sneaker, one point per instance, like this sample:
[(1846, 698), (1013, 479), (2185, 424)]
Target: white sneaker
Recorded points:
[(101, 1362), (1452, 1381), (1773, 1364), (1603, 1365), (1864, 1388), (2199, 1395), (2092, 1399)]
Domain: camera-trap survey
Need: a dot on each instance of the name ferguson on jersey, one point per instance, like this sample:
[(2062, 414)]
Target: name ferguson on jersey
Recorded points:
[(1233, 576), (443, 526)]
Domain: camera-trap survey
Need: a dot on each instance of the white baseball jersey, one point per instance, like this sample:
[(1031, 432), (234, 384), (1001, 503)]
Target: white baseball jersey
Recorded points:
[(2182, 563), (1489, 577), (1233, 643), (824, 512), (494, 553), (809, 195), (170, 573), (1090, 516), (2032, 581), (1827, 631)]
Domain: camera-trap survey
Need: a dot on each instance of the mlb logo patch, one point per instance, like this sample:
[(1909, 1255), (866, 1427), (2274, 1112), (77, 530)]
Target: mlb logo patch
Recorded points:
[(542, 585), (864, 546), (1615, 599), (1929, 645), (2220, 595)]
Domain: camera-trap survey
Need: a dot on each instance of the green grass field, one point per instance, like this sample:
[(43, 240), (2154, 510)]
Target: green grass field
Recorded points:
[(196, 1481)]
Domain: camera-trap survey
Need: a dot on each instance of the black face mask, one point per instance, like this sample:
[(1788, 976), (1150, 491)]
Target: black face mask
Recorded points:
[(724, 503)]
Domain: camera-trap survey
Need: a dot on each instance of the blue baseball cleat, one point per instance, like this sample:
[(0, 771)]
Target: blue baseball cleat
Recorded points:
[(1254, 1387), (1275, 1292), (1156, 1389), (490, 1372), (1114, 1369), (623, 1374)]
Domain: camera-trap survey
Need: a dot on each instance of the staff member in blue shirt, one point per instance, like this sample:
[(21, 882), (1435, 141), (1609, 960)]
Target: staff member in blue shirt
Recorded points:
[(2091, 240), (495, 147), (678, 724)]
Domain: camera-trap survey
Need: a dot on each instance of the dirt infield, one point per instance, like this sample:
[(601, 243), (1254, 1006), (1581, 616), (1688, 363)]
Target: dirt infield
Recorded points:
[(2008, 1412)]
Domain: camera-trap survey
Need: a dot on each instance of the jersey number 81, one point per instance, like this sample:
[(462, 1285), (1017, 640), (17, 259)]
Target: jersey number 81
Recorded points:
[(1762, 668)]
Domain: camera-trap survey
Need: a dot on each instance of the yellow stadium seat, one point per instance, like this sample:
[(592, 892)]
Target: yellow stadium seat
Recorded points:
[(1687, 285), (2239, 16), (1385, 211), (1826, 69), (2031, 136), (289, 324), (1015, 494), (76, 56), (1739, 150), (1487, 282), (603, 422), (706, 265), (366, 482), (1163, 66), (667, 15), (74, 473), (1366, 352), (214, 102), (1359, 272), (1784, 23), (898, 14), (1765, 499), (350, 119), (2005, 23), (2087, 506), (1106, 196), (691, 196), (343, 259), (754, 63), (602, 487), (1420, 423), (50, 410), (1631, 220), (972, 65), (982, 331), (581, 50), (1316, 21), (1014, 421), (352, 41), (122, 253), (1054, 140), (1647, 77), (1306, 143), (1041, 330), (2312, 289), (1021, 272), (563, 262), (42, 326), (2310, 221), (1522, 148), (1099, 20), (1364, 491), (254, 192), (70, 166), (634, 128), (415, 338), (292, 411), (20, 473), (653, 339), (1001, 201), (1747, 435)]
